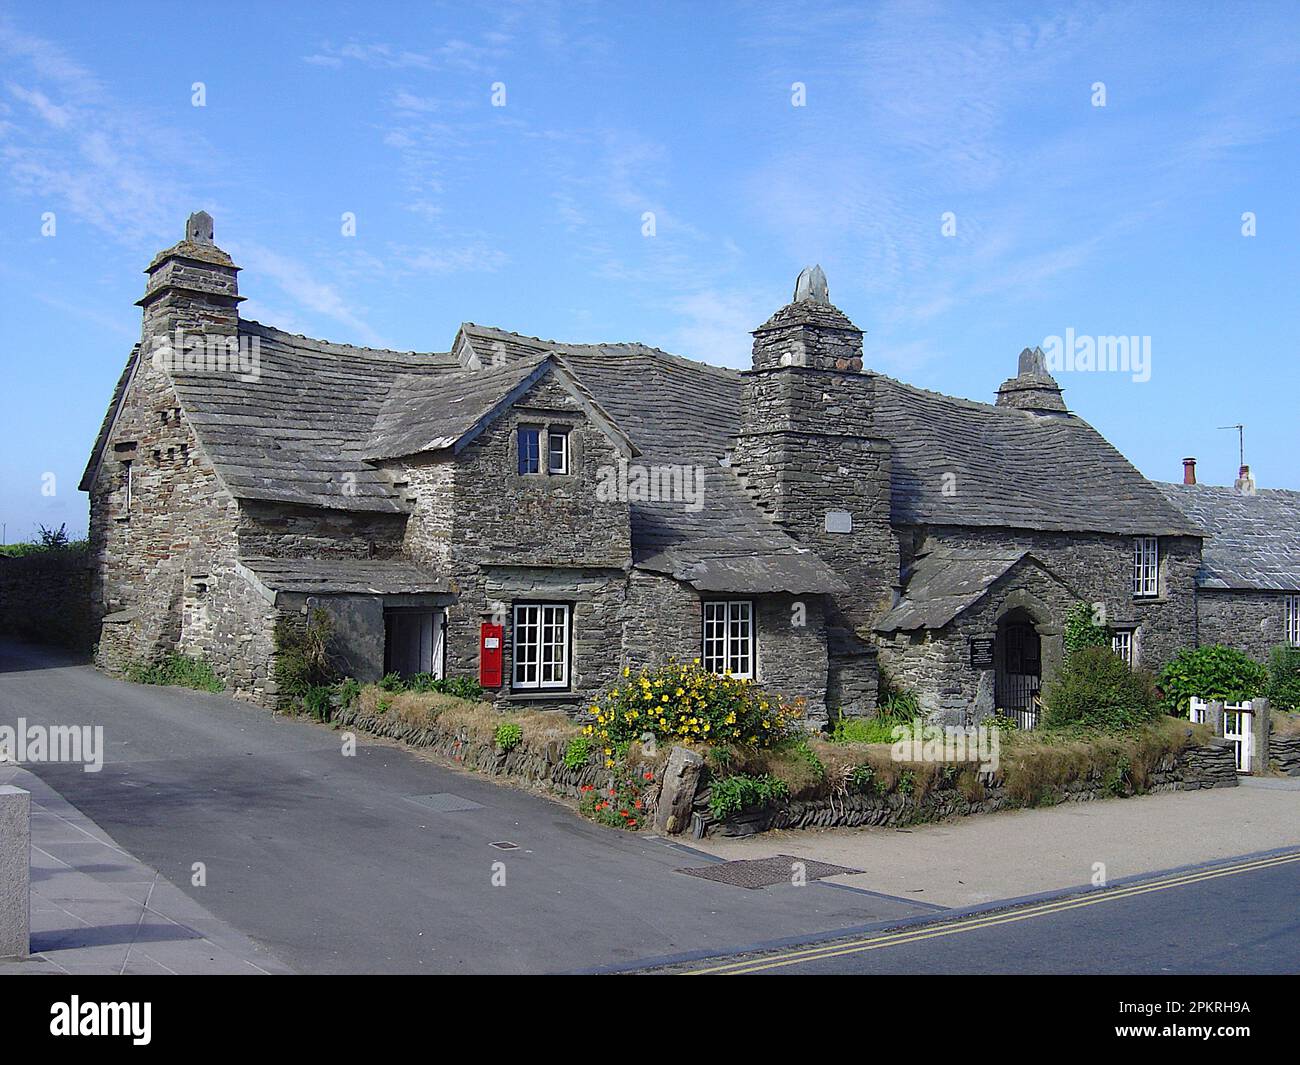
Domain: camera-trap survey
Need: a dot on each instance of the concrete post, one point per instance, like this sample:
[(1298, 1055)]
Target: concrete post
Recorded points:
[(15, 871), (1214, 716), (1261, 730)]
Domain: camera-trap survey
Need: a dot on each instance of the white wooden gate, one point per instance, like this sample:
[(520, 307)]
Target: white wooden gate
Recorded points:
[(1237, 721)]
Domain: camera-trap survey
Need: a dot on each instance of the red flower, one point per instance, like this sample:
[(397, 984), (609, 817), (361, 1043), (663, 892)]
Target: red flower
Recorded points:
[(638, 804), (623, 813), (632, 823), (649, 775)]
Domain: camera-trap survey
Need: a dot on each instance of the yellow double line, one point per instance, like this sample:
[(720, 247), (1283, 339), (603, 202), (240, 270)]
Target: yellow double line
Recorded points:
[(973, 924)]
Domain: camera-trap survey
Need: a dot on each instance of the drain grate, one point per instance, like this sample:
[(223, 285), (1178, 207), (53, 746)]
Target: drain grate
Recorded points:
[(444, 802), (764, 872), (504, 845)]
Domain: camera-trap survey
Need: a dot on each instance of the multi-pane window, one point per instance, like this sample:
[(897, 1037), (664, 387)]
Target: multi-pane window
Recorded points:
[(530, 453), (557, 451), (541, 645), (1293, 620), (1123, 645), (729, 637), (1146, 566)]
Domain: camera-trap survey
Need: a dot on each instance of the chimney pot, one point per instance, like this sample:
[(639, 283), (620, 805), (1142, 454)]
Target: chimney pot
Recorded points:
[(1189, 471)]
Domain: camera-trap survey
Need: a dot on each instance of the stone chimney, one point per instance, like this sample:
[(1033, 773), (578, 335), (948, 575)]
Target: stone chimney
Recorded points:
[(193, 286), (1033, 388), (808, 454), (1189, 471), (1245, 482)]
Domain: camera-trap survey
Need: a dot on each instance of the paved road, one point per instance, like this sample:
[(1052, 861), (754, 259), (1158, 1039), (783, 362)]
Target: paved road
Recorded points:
[(327, 862), (1229, 918)]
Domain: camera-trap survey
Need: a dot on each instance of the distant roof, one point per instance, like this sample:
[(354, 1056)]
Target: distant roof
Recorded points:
[(942, 583), (1254, 540), (318, 576)]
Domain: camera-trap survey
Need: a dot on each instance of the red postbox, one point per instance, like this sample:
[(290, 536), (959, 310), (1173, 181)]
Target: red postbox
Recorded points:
[(489, 654)]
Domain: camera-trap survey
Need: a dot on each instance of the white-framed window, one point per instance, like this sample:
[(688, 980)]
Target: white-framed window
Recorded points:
[(1124, 644), (729, 637), (557, 451), (1146, 566), (541, 645), (1293, 620), (530, 454)]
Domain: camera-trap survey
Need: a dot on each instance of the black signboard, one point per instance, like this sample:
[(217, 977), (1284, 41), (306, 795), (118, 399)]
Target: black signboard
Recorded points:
[(981, 652)]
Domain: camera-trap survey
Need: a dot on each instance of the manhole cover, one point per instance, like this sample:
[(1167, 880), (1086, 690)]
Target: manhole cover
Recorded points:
[(504, 845), (764, 872), (444, 802)]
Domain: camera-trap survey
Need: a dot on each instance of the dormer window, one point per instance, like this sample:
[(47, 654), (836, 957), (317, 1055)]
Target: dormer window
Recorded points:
[(557, 451), (530, 450), (1146, 567)]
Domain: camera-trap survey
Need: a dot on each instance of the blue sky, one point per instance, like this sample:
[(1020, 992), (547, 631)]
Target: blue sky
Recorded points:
[(1117, 220)]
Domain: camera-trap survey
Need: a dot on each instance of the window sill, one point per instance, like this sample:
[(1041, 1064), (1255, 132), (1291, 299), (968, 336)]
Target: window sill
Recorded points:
[(558, 695), (1144, 600)]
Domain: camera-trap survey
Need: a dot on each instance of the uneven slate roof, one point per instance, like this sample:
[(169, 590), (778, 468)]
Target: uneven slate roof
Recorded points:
[(1254, 540), (944, 582), (1012, 468), (680, 412), (428, 413), (316, 576), (298, 433), (101, 438)]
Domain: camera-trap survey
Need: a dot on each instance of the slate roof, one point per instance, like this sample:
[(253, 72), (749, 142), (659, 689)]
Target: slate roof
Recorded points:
[(1012, 468), (1254, 540), (942, 583), (310, 427), (680, 412), (315, 576), (298, 433), (431, 412)]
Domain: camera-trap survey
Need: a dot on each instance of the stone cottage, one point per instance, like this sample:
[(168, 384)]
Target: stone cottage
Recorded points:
[(1248, 586), (560, 511)]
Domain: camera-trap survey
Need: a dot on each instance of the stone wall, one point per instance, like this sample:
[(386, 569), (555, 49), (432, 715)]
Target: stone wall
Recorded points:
[(1284, 754), (1251, 621), (1210, 765), (45, 597)]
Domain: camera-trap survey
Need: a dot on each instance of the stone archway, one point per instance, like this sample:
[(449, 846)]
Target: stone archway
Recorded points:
[(1028, 651)]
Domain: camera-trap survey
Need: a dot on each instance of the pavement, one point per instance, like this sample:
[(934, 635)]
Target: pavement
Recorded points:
[(97, 910), (973, 860), (391, 861)]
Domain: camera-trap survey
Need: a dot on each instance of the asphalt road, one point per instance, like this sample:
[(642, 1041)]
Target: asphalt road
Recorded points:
[(328, 862), (1228, 918)]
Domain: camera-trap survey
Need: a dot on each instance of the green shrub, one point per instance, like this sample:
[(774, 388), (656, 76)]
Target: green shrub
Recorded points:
[(1212, 672), (1097, 689), (460, 687), (577, 752), (731, 795), (301, 659), (508, 736), (860, 777), (180, 671), (894, 702), (348, 691), (684, 702), (1083, 630), (392, 682), (319, 702), (1284, 678)]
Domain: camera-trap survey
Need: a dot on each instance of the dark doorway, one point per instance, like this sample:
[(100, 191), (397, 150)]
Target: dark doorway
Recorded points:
[(1019, 667), (413, 641)]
